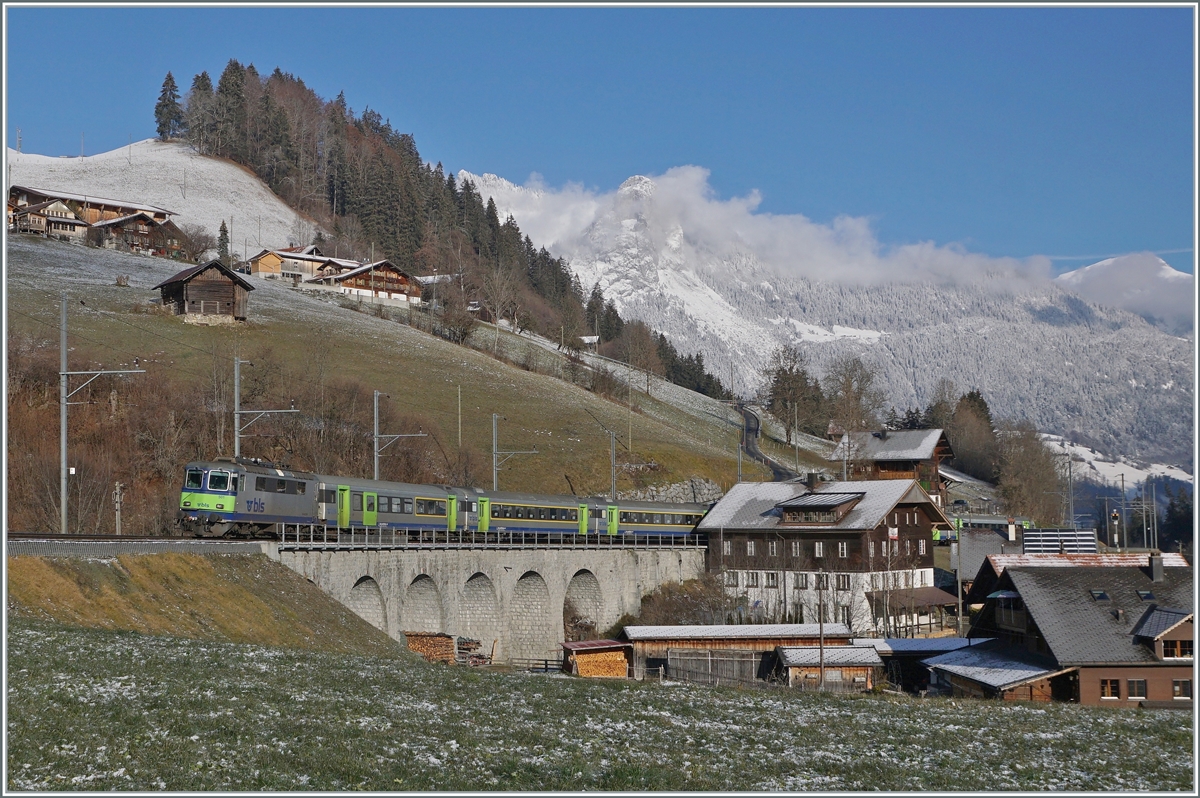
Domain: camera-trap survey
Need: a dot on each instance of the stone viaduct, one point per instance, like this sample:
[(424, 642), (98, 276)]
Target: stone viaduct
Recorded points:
[(512, 598)]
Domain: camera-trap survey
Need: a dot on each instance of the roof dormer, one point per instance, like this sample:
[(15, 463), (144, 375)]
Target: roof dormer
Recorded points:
[(818, 508)]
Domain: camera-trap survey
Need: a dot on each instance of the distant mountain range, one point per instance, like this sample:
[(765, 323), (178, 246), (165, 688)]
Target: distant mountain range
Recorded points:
[(1102, 356)]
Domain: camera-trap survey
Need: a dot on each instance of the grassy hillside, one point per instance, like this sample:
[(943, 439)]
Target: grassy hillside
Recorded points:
[(230, 598), (305, 346), (117, 710)]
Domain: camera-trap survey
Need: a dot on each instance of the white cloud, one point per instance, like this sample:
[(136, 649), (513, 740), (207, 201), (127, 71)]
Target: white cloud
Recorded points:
[(682, 199)]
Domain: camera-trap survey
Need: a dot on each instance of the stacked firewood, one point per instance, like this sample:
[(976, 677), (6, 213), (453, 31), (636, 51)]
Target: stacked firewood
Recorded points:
[(469, 652), (601, 663), (433, 646)]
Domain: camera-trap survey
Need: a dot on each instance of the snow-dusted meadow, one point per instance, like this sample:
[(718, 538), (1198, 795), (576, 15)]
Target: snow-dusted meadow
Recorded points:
[(102, 710)]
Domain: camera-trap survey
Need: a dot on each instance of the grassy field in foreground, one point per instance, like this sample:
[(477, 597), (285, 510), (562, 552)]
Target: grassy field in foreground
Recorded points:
[(105, 710)]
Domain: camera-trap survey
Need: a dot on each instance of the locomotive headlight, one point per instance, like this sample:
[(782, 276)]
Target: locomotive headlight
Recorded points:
[(187, 504)]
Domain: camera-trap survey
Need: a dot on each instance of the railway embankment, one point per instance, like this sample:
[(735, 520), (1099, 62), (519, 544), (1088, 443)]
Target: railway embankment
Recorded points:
[(241, 597)]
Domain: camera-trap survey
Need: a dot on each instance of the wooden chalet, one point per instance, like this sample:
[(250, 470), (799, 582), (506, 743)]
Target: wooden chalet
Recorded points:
[(299, 263), (207, 290), (380, 280), (86, 207), (897, 454), (52, 218), (139, 232), (844, 668)]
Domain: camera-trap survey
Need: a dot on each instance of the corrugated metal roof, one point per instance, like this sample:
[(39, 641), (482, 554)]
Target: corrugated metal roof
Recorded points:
[(1108, 559), (731, 631), (835, 656), (998, 669), (903, 444), (754, 505), (929, 646)]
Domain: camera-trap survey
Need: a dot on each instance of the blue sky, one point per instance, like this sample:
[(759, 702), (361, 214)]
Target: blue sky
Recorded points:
[(1009, 131)]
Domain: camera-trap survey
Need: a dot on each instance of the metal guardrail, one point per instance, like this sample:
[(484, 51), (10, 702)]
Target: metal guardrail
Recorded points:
[(102, 550), (321, 537)]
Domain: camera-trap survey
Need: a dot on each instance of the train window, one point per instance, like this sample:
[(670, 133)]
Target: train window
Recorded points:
[(474, 507), (496, 508), (260, 484), (431, 507), (370, 504), (542, 513), (572, 515), (356, 501), (658, 518), (300, 487), (233, 483), (327, 496), (408, 506), (194, 479), (281, 486), (218, 480), (520, 512), (385, 504)]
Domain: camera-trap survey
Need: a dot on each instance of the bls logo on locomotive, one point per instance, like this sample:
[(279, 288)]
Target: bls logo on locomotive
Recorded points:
[(255, 505)]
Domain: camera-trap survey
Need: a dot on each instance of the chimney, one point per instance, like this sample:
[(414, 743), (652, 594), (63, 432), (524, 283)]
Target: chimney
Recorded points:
[(1156, 567), (1012, 530), (1120, 614), (810, 480)]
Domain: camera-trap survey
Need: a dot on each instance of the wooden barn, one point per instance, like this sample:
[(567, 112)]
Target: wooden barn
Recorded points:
[(207, 290)]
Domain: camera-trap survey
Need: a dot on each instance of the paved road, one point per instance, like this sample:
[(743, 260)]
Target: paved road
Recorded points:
[(779, 472)]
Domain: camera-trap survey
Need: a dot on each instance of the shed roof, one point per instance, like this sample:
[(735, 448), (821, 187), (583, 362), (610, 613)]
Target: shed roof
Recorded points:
[(1080, 630), (121, 219), (999, 669), (919, 597), (734, 631), (835, 656), (918, 646), (755, 505), (903, 444), (189, 273), (594, 645)]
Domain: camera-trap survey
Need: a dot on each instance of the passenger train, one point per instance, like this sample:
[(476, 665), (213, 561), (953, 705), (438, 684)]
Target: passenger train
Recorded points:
[(249, 498)]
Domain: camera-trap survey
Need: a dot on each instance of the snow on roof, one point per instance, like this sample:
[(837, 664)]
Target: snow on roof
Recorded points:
[(358, 269), (738, 631), (50, 192), (753, 505), (836, 656), (996, 669), (121, 219), (918, 645), (1106, 560), (903, 444)]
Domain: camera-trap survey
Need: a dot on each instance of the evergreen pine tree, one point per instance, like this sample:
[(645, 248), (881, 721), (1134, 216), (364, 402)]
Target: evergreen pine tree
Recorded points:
[(231, 112), (200, 118), (223, 244), (168, 114)]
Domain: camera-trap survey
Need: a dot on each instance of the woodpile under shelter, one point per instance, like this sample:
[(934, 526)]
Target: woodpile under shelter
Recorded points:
[(207, 290), (597, 658)]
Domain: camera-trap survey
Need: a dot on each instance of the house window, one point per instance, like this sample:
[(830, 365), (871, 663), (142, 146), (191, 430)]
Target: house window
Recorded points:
[(819, 549), (871, 549), (907, 547), (801, 581), (726, 547), (731, 578), (795, 548), (1110, 688), (843, 581), (750, 548), (844, 613), (772, 579), (822, 581), (921, 547), (1181, 688), (1136, 688), (752, 579), (1099, 595), (843, 548), (1176, 649), (772, 547)]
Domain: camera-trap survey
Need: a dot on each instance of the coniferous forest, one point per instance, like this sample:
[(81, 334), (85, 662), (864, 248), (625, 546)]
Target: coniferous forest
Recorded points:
[(364, 181)]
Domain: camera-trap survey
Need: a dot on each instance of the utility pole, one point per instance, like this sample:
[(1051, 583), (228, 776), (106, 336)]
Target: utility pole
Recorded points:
[(117, 505), (496, 461), (612, 455), (63, 400), (390, 438), (460, 416), (821, 628), (238, 412)]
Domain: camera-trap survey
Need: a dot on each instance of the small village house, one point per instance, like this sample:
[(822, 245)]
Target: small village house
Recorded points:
[(915, 454), (801, 551), (207, 290), (296, 263), (52, 219), (381, 281), (1112, 636), (88, 208), (139, 232)]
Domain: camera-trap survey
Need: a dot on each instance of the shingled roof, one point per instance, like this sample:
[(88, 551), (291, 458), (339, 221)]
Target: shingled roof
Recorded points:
[(884, 446), (1080, 630), (987, 573)]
